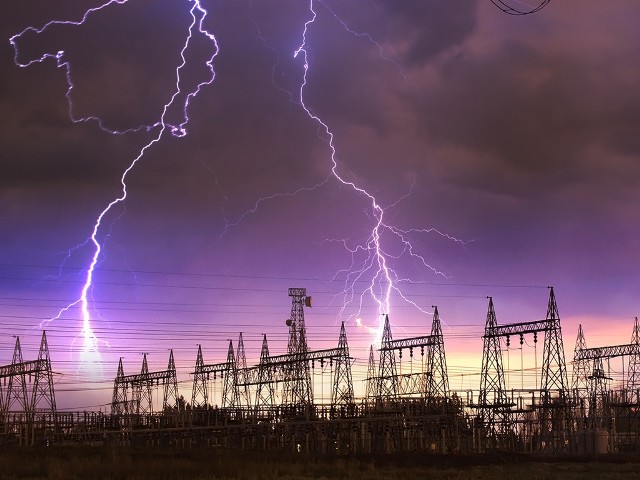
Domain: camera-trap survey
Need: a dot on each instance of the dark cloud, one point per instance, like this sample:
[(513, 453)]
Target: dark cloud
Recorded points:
[(412, 31), (533, 117), (429, 28)]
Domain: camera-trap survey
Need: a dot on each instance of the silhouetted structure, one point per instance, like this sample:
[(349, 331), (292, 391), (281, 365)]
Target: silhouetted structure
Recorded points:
[(272, 405)]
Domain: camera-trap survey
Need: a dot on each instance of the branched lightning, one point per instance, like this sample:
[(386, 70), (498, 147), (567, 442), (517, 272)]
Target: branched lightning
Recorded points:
[(381, 279), (370, 259), (267, 198), (368, 37), (198, 14), (373, 270)]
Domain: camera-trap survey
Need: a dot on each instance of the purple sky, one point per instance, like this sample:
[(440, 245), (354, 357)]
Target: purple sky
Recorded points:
[(518, 136)]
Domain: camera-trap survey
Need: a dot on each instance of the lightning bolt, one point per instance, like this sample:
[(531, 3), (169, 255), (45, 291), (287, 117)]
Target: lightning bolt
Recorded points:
[(383, 279), (370, 260), (90, 351)]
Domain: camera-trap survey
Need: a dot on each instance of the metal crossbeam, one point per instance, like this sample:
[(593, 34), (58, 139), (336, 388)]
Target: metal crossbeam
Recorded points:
[(275, 361), (214, 367), (23, 368), (146, 377), (423, 341), (287, 359), (520, 328), (607, 352)]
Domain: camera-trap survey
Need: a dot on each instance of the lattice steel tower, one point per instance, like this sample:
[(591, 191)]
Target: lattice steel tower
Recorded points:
[(493, 404), (230, 393), (244, 398), (342, 392), (297, 383), (171, 394), (387, 381), (438, 380), (555, 403), (199, 394), (633, 377), (265, 396), (581, 368), (554, 370), (119, 404), (371, 381)]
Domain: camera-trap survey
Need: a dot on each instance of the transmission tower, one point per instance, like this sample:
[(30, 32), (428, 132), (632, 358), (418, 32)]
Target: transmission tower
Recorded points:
[(581, 368), (199, 395), (633, 377), (40, 397), (142, 390), (555, 411), (244, 398), (43, 379), (119, 405), (297, 382), (342, 392), (371, 381), (16, 393), (437, 379), (264, 391), (554, 370), (229, 391), (387, 379), (493, 403), (171, 395)]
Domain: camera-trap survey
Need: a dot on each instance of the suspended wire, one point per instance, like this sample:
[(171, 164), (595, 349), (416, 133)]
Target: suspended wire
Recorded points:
[(231, 276), (507, 8)]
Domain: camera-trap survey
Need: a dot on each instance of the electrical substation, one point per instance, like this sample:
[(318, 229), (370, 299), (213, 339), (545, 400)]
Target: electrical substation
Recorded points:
[(271, 405)]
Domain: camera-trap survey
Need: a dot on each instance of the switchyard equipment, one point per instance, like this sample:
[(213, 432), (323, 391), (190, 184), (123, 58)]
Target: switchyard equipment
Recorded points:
[(421, 413), (291, 371), (133, 394), (388, 384), (547, 422), (36, 399), (608, 418), (272, 404)]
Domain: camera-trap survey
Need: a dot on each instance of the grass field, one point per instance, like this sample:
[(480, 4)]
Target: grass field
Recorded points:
[(208, 464)]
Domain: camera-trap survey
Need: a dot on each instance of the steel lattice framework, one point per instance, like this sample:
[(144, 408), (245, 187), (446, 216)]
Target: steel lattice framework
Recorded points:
[(273, 370), (580, 367), (554, 370), (493, 404), (386, 382), (291, 370), (554, 403), (430, 384), (297, 382), (633, 378), (612, 351), (421, 416), (41, 395), (141, 386), (591, 376)]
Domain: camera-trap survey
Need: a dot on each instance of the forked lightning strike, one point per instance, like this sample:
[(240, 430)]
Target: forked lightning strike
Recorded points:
[(90, 352), (383, 279)]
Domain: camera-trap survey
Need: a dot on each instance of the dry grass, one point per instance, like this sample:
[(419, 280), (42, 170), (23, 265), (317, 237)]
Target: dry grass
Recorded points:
[(107, 463)]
